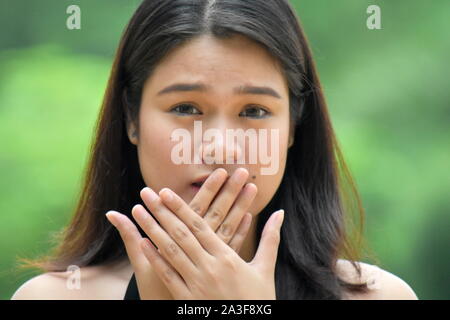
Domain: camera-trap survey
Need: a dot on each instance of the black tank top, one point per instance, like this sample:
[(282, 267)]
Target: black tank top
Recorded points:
[(132, 292)]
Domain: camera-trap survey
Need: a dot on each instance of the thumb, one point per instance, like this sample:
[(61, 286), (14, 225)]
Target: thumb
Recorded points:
[(266, 255)]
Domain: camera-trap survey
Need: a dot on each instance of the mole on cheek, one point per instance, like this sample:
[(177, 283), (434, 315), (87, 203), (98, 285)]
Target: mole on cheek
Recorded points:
[(253, 177)]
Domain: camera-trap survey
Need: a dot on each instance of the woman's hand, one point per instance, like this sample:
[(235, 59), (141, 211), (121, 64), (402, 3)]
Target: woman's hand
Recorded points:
[(228, 211), (194, 263), (231, 222)]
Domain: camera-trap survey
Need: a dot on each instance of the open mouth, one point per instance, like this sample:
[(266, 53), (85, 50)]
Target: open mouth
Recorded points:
[(197, 184), (199, 181)]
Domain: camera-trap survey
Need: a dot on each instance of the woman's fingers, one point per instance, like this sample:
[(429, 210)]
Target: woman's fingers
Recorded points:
[(170, 277), (149, 283), (197, 225), (241, 233), (167, 246), (173, 225), (131, 238), (266, 255), (203, 198), (230, 222), (227, 229), (218, 210)]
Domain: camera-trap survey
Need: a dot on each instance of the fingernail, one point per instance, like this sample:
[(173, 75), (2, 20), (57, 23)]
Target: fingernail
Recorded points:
[(166, 194), (251, 185), (219, 173), (241, 174), (280, 217), (110, 216), (137, 212), (226, 172), (152, 195)]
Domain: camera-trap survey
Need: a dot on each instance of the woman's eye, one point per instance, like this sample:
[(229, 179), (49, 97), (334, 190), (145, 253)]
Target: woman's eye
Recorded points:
[(254, 112), (185, 109)]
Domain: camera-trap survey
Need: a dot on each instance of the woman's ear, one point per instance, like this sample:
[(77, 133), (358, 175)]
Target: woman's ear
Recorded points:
[(132, 133), (129, 120)]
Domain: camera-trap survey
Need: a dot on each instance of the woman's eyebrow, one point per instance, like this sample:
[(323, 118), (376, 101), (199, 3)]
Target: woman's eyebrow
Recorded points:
[(198, 86)]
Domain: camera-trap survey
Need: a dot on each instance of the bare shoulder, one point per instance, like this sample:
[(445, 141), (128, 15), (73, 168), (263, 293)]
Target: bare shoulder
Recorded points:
[(383, 285), (102, 282)]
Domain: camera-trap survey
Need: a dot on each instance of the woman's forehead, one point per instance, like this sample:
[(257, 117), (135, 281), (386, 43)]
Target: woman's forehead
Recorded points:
[(215, 64)]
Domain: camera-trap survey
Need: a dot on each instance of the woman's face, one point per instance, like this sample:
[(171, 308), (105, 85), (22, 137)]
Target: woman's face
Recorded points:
[(174, 124)]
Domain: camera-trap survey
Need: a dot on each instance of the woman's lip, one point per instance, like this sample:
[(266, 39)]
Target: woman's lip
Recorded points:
[(195, 188), (202, 178), (197, 184)]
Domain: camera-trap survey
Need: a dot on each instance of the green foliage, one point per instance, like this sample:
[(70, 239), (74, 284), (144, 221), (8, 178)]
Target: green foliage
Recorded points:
[(49, 103)]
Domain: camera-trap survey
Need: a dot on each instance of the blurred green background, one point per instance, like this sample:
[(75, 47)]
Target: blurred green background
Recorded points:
[(388, 94)]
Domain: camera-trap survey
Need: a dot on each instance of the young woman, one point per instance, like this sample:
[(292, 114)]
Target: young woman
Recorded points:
[(215, 227)]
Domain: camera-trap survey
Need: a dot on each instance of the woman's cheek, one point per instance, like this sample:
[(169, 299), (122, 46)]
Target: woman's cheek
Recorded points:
[(268, 184), (155, 162)]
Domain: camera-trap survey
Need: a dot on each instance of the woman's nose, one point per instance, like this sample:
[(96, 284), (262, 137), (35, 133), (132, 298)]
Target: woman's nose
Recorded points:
[(216, 148)]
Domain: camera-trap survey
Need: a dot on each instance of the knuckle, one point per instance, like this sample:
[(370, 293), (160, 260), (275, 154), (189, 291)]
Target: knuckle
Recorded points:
[(197, 226), (197, 208), (229, 261), (147, 223), (180, 233), (171, 250), (216, 213), (168, 275), (199, 288), (212, 275), (178, 205), (225, 231)]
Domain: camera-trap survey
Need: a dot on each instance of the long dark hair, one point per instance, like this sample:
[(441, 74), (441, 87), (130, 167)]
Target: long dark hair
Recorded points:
[(323, 208)]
